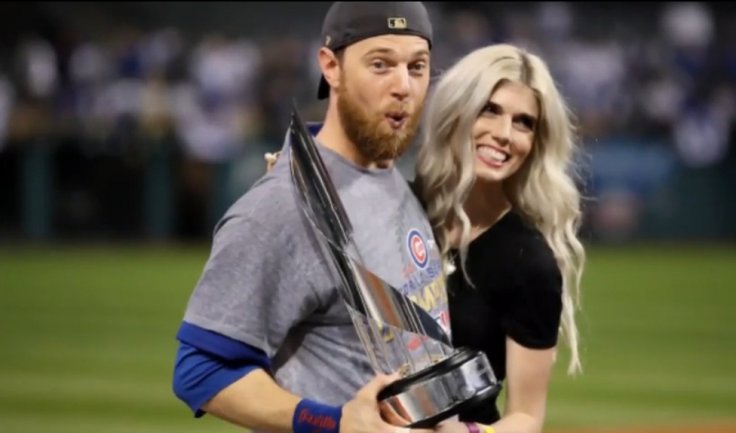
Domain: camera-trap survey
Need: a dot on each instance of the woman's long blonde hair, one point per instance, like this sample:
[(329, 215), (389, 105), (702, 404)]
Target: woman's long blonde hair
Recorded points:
[(543, 190)]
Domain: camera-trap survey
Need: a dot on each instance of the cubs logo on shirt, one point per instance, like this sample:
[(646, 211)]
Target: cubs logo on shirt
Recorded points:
[(417, 248)]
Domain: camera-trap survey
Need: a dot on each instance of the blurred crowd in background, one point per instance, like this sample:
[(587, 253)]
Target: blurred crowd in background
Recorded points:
[(142, 126)]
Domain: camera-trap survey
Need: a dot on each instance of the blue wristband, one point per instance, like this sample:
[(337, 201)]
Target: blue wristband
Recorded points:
[(313, 417)]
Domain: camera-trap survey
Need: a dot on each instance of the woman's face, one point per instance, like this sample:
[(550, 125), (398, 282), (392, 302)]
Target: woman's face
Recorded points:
[(504, 132)]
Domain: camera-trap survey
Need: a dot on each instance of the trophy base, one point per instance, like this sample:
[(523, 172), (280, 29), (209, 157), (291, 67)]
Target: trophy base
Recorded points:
[(422, 400)]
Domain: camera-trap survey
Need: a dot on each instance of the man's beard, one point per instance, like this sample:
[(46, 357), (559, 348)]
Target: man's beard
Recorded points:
[(368, 134)]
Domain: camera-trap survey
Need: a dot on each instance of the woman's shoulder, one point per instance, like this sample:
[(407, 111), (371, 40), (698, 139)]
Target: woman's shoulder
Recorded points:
[(525, 244)]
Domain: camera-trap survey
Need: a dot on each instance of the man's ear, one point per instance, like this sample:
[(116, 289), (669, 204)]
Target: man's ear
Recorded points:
[(329, 64)]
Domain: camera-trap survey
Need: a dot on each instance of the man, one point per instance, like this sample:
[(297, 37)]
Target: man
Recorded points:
[(266, 342)]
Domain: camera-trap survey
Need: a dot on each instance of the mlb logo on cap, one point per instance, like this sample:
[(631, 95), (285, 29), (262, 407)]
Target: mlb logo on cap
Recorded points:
[(396, 23)]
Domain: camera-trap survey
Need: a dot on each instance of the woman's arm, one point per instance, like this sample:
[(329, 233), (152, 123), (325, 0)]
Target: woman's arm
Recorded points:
[(528, 374)]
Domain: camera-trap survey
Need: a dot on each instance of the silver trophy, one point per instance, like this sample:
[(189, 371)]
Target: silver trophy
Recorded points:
[(437, 381)]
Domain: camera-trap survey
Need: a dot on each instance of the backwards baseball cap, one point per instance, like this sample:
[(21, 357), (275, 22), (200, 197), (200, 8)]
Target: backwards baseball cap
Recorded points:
[(350, 22)]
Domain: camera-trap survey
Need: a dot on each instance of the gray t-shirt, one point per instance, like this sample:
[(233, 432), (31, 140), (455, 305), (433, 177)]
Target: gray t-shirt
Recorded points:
[(267, 284)]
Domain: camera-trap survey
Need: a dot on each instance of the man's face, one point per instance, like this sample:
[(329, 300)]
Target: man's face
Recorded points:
[(383, 85)]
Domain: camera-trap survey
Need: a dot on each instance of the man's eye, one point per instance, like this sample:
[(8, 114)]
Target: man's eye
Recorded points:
[(378, 64)]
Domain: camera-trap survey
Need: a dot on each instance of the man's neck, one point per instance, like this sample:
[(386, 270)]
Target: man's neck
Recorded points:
[(332, 136)]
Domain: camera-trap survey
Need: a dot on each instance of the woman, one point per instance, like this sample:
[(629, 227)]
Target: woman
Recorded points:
[(493, 174)]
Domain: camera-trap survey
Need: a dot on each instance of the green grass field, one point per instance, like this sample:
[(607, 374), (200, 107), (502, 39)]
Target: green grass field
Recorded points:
[(87, 337)]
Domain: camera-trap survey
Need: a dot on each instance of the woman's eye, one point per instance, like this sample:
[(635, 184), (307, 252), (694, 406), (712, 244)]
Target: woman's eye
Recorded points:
[(491, 108)]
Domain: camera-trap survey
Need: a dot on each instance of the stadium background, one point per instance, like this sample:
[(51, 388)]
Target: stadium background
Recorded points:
[(126, 129)]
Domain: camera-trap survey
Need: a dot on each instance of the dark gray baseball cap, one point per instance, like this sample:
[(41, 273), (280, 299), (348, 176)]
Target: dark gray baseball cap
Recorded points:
[(350, 22)]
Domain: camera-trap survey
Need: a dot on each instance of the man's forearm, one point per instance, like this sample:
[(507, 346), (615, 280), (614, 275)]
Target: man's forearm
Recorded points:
[(255, 402)]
